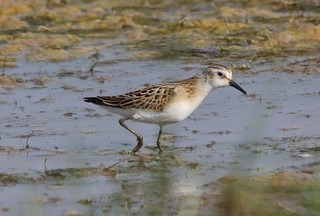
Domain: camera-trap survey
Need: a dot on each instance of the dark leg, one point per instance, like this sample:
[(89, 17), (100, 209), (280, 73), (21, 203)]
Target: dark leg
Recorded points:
[(158, 140), (139, 137)]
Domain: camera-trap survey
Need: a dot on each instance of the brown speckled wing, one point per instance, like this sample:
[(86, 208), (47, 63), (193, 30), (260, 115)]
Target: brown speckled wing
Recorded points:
[(150, 98)]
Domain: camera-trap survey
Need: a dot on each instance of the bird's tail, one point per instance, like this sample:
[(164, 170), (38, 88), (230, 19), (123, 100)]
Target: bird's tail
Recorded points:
[(93, 100)]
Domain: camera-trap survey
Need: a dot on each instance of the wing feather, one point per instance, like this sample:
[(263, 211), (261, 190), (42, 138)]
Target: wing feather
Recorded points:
[(149, 98)]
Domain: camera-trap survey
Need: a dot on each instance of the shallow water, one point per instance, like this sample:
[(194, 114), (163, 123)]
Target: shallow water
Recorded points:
[(235, 155), (273, 129)]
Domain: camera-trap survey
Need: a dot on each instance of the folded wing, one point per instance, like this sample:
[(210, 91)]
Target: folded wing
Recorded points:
[(150, 98)]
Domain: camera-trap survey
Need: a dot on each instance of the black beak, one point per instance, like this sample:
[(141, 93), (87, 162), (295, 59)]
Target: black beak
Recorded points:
[(235, 85)]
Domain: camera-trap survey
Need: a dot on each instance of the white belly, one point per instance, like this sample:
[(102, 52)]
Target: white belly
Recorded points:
[(146, 116), (172, 114), (176, 111)]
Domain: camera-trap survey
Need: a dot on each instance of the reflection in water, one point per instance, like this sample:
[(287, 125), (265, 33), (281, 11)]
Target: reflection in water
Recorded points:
[(153, 188)]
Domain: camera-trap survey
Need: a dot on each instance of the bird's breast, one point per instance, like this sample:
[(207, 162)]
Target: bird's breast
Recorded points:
[(182, 107)]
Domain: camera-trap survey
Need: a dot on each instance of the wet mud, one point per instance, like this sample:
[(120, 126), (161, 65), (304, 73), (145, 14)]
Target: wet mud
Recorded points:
[(235, 155)]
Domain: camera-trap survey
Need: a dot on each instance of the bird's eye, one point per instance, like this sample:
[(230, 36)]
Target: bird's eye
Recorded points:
[(220, 74)]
